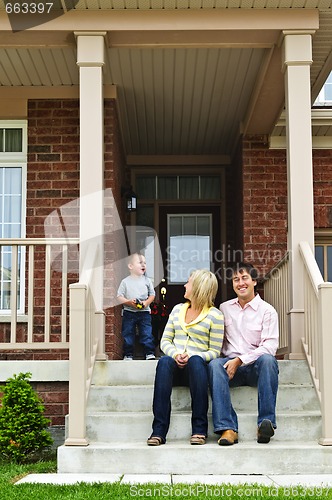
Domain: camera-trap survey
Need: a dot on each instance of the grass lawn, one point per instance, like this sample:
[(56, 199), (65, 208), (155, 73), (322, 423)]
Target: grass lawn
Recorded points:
[(10, 473)]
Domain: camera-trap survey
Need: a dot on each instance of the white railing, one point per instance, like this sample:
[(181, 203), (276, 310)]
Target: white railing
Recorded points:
[(86, 325), (317, 340), (34, 292), (276, 292)]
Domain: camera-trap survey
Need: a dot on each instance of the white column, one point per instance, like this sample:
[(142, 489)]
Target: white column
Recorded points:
[(90, 59), (297, 58)]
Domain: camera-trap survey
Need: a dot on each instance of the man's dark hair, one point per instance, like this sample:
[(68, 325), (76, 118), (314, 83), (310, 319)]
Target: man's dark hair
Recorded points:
[(241, 267)]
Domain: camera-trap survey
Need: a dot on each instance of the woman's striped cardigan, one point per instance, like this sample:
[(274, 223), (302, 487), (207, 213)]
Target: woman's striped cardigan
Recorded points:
[(203, 336)]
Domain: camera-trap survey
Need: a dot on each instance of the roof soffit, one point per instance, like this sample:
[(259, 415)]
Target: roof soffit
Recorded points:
[(177, 20), (184, 29)]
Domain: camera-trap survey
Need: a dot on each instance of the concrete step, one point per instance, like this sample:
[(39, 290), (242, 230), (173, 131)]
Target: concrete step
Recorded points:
[(141, 372), (119, 422), (136, 426), (176, 457), (139, 398)]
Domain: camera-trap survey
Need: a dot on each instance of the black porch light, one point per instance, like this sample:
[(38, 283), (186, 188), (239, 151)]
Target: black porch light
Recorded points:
[(130, 199)]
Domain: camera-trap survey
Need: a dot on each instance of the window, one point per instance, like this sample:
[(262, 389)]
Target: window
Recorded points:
[(323, 253), (178, 187), (189, 245), (325, 95), (13, 161)]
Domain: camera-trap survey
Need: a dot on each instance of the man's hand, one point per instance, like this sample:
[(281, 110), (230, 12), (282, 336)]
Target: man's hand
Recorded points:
[(182, 359), (231, 366)]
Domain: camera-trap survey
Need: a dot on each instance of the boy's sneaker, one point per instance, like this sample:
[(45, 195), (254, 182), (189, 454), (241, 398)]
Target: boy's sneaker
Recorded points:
[(128, 358), (150, 356)]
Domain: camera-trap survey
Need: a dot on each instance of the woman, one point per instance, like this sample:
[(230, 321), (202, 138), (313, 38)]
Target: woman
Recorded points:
[(193, 336)]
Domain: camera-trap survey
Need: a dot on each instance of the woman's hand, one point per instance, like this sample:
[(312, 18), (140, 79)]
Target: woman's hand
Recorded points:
[(182, 359)]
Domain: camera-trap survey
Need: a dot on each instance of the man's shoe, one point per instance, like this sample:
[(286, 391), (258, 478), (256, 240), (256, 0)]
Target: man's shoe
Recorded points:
[(265, 431), (227, 438), (128, 358)]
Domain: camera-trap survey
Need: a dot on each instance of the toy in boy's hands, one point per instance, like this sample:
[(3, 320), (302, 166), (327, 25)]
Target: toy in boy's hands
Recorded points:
[(139, 304)]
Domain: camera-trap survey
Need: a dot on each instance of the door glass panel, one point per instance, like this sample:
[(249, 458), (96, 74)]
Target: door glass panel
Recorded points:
[(189, 245), (167, 188), (175, 225), (183, 187), (189, 188), (145, 242), (203, 225), (210, 187), (189, 225), (146, 187)]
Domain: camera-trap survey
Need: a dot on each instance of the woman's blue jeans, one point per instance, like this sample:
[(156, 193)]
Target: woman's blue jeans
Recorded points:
[(168, 374), (263, 374)]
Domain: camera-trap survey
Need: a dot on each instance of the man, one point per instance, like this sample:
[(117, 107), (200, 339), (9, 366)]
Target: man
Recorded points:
[(247, 358)]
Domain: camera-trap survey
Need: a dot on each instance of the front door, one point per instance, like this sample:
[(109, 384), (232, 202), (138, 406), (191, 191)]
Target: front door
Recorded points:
[(190, 239)]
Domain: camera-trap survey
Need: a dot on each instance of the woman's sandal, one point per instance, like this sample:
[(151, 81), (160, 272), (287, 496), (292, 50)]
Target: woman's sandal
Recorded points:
[(197, 439), (155, 441)]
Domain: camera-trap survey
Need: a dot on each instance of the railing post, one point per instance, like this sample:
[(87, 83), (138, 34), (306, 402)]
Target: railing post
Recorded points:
[(296, 61), (77, 367), (325, 377), (100, 329)]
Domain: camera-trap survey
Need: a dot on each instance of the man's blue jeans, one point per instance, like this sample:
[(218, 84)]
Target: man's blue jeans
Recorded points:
[(263, 374), (141, 319), (168, 374)]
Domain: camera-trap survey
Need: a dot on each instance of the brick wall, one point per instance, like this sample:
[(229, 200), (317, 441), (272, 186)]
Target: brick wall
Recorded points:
[(53, 180), (114, 179), (55, 399), (234, 206), (265, 200), (322, 170), (53, 160), (264, 203), (54, 396), (53, 183)]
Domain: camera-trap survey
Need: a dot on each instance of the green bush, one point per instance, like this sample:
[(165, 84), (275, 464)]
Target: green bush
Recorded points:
[(23, 427)]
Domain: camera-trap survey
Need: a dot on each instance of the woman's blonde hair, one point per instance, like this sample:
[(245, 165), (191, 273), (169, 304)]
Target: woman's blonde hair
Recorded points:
[(204, 288)]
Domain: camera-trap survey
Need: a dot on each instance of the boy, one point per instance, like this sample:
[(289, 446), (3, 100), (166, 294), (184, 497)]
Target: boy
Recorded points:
[(136, 293)]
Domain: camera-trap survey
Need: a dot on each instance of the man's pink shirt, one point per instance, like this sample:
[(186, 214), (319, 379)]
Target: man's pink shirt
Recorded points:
[(249, 331)]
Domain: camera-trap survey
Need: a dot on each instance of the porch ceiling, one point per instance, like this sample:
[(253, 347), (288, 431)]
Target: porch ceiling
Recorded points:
[(177, 94)]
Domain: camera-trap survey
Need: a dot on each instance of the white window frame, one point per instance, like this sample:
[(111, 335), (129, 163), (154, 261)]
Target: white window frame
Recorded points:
[(18, 159), (323, 238), (174, 262), (321, 98)]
